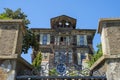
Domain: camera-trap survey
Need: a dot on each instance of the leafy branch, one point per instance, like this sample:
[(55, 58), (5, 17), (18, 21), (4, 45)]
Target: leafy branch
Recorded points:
[(29, 40), (37, 61), (96, 56)]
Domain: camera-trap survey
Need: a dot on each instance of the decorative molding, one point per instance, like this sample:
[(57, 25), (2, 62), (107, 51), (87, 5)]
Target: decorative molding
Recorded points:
[(9, 27)]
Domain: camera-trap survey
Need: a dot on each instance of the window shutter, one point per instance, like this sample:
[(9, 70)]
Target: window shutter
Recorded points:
[(79, 58), (78, 39), (55, 40), (85, 40), (67, 40), (48, 39), (58, 40), (41, 38)]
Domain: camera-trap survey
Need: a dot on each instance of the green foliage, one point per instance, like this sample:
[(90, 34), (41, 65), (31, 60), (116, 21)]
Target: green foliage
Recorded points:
[(73, 73), (18, 14), (96, 56), (29, 39), (53, 72), (37, 61), (4, 16)]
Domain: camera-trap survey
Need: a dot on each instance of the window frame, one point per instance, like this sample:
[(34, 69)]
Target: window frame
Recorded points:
[(44, 39)]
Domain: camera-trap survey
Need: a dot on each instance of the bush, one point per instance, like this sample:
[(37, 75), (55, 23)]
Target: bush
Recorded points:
[(96, 56)]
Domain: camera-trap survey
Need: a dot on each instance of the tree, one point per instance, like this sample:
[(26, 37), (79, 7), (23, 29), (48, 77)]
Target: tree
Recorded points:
[(96, 56), (37, 61), (29, 39), (4, 16)]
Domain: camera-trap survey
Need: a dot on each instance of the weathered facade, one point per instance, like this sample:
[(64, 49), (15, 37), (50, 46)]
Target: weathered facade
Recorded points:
[(64, 39)]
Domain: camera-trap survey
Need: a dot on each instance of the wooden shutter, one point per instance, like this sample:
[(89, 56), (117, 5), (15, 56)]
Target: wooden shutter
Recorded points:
[(85, 40), (78, 39), (58, 40), (48, 39), (67, 40)]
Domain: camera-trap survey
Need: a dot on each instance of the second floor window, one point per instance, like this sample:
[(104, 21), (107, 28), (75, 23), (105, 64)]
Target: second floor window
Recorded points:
[(81, 40), (44, 39)]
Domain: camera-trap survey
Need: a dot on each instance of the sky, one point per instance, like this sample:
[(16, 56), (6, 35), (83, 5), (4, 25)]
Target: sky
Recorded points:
[(87, 13)]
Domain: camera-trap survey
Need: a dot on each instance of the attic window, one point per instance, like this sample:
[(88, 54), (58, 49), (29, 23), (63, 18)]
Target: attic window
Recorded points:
[(60, 23), (66, 23)]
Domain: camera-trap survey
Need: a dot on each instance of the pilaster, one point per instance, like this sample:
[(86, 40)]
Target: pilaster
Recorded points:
[(11, 34)]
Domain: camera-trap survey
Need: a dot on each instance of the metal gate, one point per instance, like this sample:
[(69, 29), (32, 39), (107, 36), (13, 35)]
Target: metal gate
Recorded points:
[(60, 78), (61, 72)]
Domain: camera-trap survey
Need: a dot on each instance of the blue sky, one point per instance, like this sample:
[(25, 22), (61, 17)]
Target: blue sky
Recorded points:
[(87, 12)]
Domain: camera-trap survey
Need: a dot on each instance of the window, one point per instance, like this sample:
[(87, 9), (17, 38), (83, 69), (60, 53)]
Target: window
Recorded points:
[(61, 39), (82, 40), (44, 39), (83, 56)]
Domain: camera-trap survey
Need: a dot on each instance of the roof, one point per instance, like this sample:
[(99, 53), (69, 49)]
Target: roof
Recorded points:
[(104, 20), (40, 28), (74, 29), (62, 17)]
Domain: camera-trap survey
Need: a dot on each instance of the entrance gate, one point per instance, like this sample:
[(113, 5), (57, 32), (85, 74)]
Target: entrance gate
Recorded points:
[(63, 73), (60, 78)]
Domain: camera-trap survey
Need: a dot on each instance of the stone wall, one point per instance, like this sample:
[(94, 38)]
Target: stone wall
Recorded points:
[(11, 37), (10, 68), (113, 69), (99, 68), (113, 37), (18, 44), (110, 36), (7, 69), (8, 36), (23, 67)]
